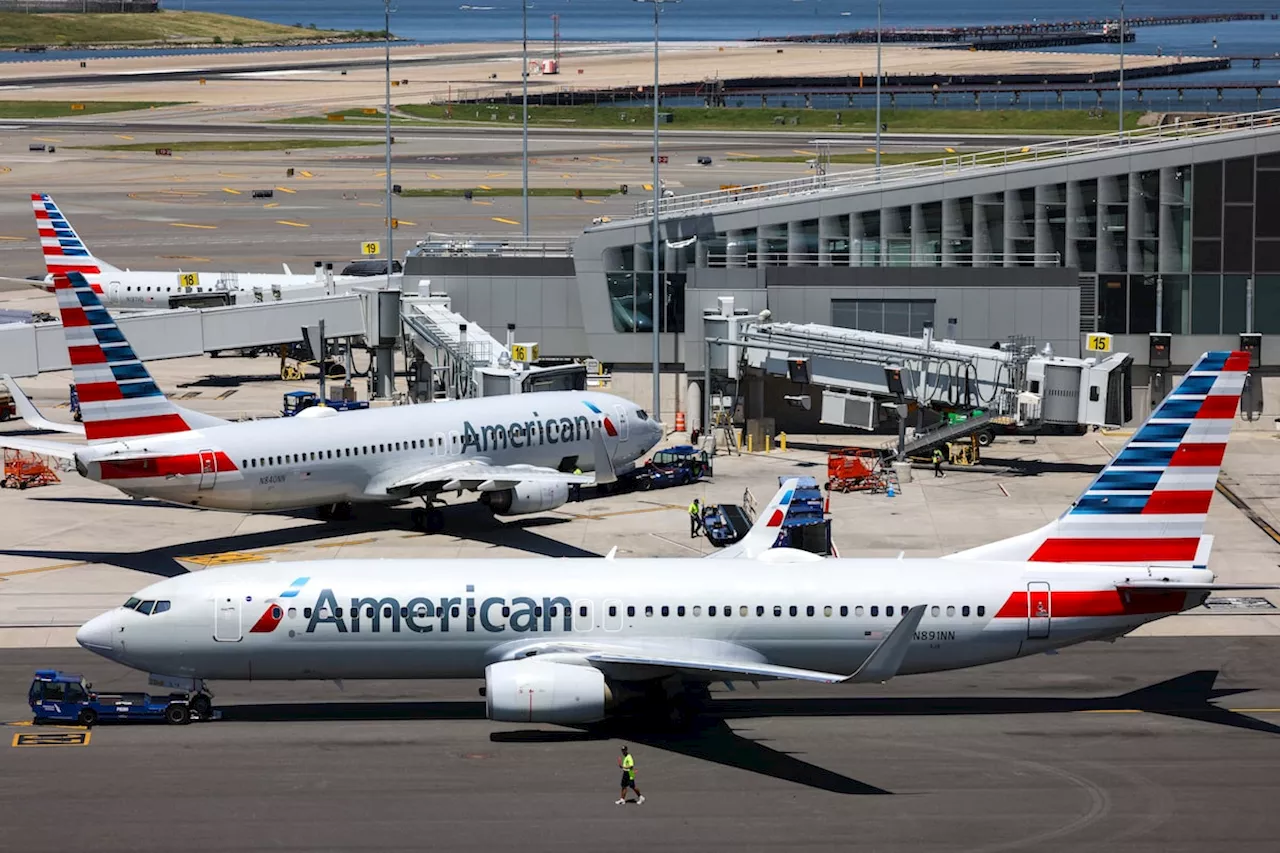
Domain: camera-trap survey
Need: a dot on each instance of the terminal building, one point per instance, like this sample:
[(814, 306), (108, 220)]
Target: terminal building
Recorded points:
[(1172, 228)]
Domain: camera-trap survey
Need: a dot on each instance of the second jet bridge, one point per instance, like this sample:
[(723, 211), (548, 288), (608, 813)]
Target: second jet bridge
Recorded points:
[(856, 371)]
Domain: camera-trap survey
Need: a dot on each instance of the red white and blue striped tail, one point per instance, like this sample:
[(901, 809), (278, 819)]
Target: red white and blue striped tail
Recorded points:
[(1149, 504), (118, 397), (63, 249)]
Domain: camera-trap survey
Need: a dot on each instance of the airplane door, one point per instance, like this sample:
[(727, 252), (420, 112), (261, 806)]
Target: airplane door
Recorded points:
[(612, 614), (622, 422), (1038, 604), (208, 469), (226, 619)]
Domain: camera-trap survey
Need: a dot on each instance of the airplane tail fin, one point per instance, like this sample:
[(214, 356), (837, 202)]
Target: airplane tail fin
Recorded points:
[(118, 397), (1149, 504), (64, 251), (764, 533)]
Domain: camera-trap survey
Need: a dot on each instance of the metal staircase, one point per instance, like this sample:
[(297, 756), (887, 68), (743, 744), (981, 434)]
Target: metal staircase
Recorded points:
[(926, 441)]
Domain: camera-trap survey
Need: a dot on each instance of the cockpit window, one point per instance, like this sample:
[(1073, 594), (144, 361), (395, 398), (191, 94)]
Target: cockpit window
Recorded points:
[(145, 607), (161, 607), (642, 415), (132, 604)]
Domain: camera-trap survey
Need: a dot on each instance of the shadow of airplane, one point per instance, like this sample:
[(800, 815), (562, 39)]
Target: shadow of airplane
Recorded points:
[(472, 522), (712, 738)]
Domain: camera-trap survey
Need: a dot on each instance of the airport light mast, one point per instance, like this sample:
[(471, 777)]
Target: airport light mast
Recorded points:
[(656, 295), (387, 33), (879, 74), (524, 122), (1121, 108)]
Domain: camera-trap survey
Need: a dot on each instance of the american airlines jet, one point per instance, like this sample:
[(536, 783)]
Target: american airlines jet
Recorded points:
[(571, 641), (517, 451), (64, 252)]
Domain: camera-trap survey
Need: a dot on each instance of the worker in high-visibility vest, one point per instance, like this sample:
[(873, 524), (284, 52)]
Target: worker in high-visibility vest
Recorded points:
[(937, 463), (628, 766), (695, 519)]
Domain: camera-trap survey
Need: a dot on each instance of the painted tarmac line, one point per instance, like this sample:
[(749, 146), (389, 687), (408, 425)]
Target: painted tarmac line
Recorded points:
[(503, 221), (292, 224), (192, 225), (40, 569)]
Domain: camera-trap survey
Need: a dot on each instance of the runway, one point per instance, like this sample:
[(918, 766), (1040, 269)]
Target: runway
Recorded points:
[(1132, 745)]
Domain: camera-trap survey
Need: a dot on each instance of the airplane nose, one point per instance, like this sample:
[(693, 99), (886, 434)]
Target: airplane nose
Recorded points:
[(96, 634)]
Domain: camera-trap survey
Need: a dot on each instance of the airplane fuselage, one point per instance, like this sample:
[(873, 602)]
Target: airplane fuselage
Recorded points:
[(451, 618), (324, 457)]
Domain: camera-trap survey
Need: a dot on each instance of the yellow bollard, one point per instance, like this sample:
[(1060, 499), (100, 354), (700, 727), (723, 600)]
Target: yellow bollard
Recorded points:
[(768, 444), (782, 442), (751, 443)]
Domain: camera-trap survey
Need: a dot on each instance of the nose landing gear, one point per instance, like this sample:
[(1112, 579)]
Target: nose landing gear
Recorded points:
[(334, 512), (428, 519)]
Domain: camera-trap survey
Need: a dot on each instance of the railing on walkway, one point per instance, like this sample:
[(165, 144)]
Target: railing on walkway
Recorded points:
[(870, 254), (960, 165), (498, 245)]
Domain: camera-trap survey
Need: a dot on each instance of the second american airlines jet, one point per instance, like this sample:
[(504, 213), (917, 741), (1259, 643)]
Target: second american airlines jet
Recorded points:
[(517, 451), (571, 641)]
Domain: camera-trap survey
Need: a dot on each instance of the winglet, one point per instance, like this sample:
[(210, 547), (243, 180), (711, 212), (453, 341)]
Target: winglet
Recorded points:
[(29, 413), (885, 661), (604, 473)]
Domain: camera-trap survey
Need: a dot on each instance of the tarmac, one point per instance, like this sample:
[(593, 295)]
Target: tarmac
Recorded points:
[(1159, 745)]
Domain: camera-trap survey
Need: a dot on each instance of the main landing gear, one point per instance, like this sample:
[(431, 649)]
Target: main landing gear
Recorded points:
[(201, 704), (334, 512), (428, 519)]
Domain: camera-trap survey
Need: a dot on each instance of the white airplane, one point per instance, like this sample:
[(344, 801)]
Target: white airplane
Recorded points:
[(517, 451), (570, 641), (64, 252)]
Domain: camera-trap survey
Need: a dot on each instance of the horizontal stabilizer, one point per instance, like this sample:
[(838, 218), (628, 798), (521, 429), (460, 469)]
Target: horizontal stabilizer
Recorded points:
[(57, 449), (31, 415)]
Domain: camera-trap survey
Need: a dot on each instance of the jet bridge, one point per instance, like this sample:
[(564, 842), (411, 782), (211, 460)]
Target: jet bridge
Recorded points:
[(856, 372)]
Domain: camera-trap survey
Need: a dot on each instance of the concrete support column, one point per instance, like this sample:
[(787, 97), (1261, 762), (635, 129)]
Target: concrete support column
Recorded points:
[(643, 258), (1135, 230), (767, 237), (1012, 226), (857, 240), (1110, 257), (1046, 194), (952, 230), (919, 236), (796, 249), (1173, 216), (830, 230), (736, 250), (1075, 229), (700, 253)]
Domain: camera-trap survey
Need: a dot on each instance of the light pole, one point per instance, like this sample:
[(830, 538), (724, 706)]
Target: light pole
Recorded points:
[(524, 100), (656, 310), (387, 33), (879, 18), (1121, 109)]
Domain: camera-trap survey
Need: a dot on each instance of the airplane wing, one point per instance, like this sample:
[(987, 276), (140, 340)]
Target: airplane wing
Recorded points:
[(45, 284), (733, 663), (764, 533), (29, 413), (58, 449)]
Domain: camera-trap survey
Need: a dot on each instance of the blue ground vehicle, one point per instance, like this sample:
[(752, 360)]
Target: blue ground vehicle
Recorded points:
[(65, 698), (672, 466), (297, 401), (806, 526)]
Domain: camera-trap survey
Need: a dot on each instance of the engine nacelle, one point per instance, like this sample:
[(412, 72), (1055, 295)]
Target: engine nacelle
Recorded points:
[(526, 498), (534, 691)]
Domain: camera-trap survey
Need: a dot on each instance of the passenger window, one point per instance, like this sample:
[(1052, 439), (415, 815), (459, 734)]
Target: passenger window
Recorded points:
[(711, 611), (844, 610), (506, 611), (471, 611), (888, 611), (631, 610), (759, 609), (728, 610), (145, 607), (794, 610), (666, 611), (826, 611), (697, 610), (648, 610), (404, 612), (777, 610), (613, 611), (293, 613), (964, 611), (337, 611), (161, 607), (875, 610), (680, 610), (808, 611), (933, 611), (368, 611), (982, 611), (306, 613), (951, 610), (386, 611), (857, 611), (421, 611), (742, 611)]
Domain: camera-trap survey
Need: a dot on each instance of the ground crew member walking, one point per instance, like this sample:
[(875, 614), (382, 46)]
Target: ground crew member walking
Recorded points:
[(628, 766), (575, 489), (695, 518), (937, 463)]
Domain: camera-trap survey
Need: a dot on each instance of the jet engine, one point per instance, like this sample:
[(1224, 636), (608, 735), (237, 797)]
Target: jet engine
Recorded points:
[(526, 498), (534, 691)]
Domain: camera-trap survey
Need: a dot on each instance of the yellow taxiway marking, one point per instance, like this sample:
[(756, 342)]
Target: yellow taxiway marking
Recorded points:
[(271, 205), (805, 151), (292, 224), (4, 170), (191, 225), (347, 542), (950, 150), (647, 187), (304, 173), (592, 201), (229, 190), (871, 150), (505, 221), (231, 175), (47, 139), (52, 568), (184, 258), (566, 175), (600, 158), (405, 222), (63, 738), (433, 176), (286, 190), (227, 557), (13, 238), (495, 174), (183, 193), (123, 136), (740, 154), (485, 203), (615, 144), (483, 187)]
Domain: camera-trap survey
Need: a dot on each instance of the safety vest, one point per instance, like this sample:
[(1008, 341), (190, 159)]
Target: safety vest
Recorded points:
[(693, 508), (629, 766)]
